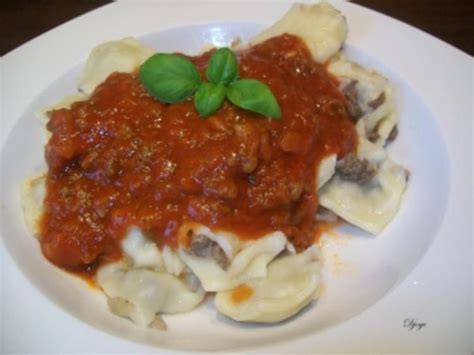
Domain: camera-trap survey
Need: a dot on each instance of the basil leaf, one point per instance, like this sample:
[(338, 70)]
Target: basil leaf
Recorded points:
[(255, 96), (209, 98), (169, 77), (222, 67)]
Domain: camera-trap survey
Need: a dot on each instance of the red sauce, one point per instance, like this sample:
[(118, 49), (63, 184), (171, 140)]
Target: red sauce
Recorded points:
[(123, 158), (241, 293)]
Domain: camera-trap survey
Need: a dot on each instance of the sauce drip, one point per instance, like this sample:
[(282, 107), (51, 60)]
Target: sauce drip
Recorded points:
[(241, 293), (123, 159)]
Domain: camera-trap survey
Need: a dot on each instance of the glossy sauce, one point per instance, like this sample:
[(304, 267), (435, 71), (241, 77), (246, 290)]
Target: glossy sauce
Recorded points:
[(123, 158)]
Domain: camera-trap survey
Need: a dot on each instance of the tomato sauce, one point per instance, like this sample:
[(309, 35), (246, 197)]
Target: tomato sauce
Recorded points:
[(123, 159)]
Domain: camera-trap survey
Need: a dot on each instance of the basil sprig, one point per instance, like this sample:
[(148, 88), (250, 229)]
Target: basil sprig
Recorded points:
[(172, 78)]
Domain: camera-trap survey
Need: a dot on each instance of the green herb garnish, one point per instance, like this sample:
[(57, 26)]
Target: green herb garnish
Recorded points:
[(254, 95), (209, 98), (172, 78), (223, 67), (169, 77)]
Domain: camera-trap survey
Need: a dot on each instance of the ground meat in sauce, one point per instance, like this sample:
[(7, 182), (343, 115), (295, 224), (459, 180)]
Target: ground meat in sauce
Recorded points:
[(354, 169), (122, 159)]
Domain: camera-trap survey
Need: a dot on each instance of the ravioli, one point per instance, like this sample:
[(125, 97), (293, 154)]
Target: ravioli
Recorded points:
[(247, 260), (33, 191), (144, 253), (321, 26), (124, 55), (65, 102), (374, 98), (291, 283), (370, 207), (144, 293), (326, 170)]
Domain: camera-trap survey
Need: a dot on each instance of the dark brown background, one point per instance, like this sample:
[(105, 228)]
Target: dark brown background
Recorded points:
[(449, 20)]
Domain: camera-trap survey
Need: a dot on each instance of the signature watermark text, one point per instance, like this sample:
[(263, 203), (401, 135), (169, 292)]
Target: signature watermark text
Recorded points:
[(413, 324)]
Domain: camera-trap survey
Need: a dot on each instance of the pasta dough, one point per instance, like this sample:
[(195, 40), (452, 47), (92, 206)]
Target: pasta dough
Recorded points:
[(65, 102), (33, 191), (370, 207), (147, 292), (291, 283), (326, 170), (369, 86), (247, 261), (145, 253), (321, 26), (125, 55)]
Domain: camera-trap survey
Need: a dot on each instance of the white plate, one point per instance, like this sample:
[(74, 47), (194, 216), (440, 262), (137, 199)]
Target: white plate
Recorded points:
[(434, 104)]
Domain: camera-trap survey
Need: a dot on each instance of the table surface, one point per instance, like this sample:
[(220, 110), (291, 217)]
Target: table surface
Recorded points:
[(450, 20)]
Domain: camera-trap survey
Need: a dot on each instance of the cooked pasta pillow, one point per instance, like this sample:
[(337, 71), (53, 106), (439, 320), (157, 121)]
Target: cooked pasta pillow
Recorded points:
[(124, 55), (292, 282), (142, 294), (242, 261), (321, 26)]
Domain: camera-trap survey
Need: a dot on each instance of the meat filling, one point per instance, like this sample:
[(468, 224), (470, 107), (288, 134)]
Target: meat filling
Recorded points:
[(350, 93), (204, 247), (354, 169), (377, 101), (393, 134), (374, 135)]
